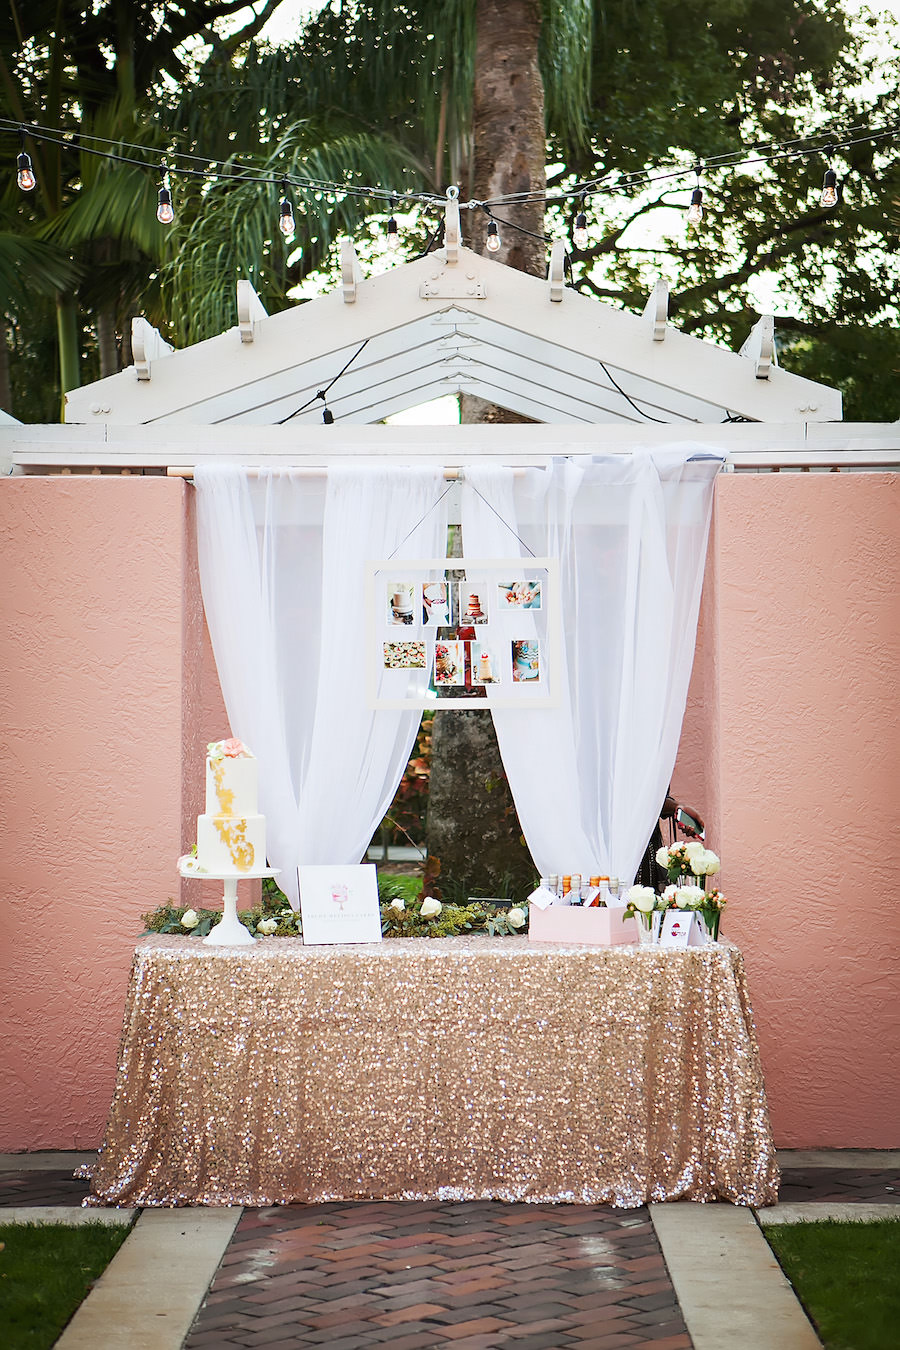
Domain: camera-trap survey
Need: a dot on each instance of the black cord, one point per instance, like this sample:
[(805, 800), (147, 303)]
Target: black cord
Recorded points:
[(649, 417), (322, 392)]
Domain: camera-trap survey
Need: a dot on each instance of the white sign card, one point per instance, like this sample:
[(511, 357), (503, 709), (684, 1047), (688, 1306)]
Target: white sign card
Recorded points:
[(339, 904), (463, 633), (681, 928)]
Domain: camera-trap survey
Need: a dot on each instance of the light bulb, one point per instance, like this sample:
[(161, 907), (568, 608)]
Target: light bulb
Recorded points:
[(493, 236), (25, 173), (580, 232), (695, 210), (286, 219), (829, 195), (164, 213), (393, 238)]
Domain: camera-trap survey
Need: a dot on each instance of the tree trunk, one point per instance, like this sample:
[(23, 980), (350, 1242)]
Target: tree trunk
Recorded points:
[(5, 382), (473, 830), (106, 341), (69, 347)]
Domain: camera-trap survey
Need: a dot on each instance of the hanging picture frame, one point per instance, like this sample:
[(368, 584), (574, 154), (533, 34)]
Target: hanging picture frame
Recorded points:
[(463, 633)]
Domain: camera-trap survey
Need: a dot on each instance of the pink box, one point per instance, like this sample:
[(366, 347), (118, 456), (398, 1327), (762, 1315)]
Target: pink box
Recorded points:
[(573, 923)]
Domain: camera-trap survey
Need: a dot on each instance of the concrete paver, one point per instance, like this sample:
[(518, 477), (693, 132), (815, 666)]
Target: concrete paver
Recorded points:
[(148, 1295), (731, 1289)]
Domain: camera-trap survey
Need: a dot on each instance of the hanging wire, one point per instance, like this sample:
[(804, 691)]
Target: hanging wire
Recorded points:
[(181, 164), (321, 393)]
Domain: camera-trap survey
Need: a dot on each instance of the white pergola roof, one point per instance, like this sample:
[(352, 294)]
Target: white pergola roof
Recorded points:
[(452, 322)]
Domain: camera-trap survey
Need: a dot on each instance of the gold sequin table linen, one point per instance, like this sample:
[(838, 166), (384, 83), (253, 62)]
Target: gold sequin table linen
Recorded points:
[(464, 1068)]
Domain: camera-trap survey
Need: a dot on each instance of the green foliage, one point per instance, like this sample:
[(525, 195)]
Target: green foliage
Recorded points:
[(846, 1277), (45, 1272), (453, 919)]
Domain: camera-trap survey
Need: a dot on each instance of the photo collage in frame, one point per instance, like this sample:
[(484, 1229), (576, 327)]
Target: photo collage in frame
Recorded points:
[(463, 633)]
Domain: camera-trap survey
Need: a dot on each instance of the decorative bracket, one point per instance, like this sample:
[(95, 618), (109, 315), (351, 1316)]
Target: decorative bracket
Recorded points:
[(451, 227), (656, 310), (147, 345), (250, 309), (760, 346), (556, 273), (351, 272)]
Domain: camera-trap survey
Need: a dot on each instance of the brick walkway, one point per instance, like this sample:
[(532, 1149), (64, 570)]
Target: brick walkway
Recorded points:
[(416, 1276), (471, 1276)]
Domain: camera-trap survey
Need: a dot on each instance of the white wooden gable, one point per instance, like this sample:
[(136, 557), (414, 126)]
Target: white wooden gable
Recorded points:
[(452, 322)]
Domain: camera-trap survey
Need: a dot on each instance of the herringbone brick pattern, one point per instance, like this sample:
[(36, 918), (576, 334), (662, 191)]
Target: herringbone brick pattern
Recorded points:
[(470, 1276), (842, 1184), (42, 1188)]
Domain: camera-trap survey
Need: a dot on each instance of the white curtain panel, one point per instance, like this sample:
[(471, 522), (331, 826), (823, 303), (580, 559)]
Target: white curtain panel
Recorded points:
[(283, 562), (630, 531)]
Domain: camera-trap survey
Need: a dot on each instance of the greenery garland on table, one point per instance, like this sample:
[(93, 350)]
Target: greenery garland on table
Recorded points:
[(400, 917)]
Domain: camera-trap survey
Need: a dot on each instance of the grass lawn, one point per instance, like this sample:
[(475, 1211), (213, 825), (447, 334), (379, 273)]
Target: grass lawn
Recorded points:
[(847, 1275), (408, 887), (45, 1272)]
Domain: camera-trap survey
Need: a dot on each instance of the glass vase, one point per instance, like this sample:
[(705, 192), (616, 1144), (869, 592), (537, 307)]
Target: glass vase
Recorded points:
[(648, 926), (711, 919)]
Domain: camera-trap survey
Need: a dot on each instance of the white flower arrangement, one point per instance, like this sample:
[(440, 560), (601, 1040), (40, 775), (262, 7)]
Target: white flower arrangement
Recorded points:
[(641, 898), (690, 859), (684, 897)]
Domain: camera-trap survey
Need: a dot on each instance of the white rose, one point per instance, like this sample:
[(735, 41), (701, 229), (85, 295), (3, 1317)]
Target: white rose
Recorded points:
[(267, 926), (669, 893), (694, 849), (642, 897), (713, 864), (430, 907), (398, 903), (516, 917), (662, 856), (190, 918), (689, 897)]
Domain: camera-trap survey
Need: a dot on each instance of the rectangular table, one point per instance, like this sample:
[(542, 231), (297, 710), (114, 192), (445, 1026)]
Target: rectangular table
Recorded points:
[(453, 1069)]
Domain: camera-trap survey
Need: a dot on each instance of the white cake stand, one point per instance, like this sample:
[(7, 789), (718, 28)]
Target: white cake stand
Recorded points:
[(229, 931)]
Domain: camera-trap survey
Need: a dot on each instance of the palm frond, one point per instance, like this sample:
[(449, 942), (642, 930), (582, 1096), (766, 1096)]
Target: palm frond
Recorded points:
[(29, 267)]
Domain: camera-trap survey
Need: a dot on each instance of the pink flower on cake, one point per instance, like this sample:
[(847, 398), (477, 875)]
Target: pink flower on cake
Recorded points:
[(233, 748)]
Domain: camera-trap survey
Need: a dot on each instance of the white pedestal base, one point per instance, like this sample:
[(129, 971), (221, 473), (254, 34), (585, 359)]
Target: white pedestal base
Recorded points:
[(229, 931)]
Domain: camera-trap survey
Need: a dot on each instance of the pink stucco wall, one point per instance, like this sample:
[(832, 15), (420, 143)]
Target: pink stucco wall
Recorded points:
[(109, 694), (791, 748)]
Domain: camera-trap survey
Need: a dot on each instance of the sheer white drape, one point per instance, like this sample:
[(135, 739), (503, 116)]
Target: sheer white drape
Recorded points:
[(589, 776), (282, 566)]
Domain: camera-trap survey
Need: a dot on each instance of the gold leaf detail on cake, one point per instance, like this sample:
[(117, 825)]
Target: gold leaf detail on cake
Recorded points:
[(232, 830), (224, 794)]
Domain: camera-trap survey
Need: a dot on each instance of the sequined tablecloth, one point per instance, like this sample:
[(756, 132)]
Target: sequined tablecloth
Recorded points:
[(455, 1069)]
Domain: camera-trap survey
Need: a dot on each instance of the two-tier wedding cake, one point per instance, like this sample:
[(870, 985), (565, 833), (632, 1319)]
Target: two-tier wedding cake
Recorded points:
[(231, 834)]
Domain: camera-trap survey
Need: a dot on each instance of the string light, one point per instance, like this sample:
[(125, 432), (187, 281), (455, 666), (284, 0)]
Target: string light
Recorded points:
[(206, 168), (695, 210), (829, 195), (493, 240), (327, 414), (580, 232), (24, 171), (393, 238), (286, 214), (165, 213)]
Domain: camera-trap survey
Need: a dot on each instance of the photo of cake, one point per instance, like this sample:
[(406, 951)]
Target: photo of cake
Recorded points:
[(400, 602), (449, 663), (526, 660), (231, 834), (473, 612), (484, 664)]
